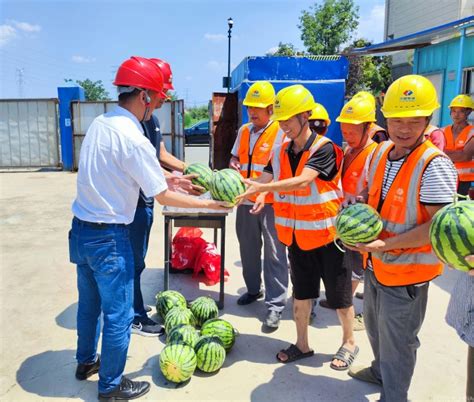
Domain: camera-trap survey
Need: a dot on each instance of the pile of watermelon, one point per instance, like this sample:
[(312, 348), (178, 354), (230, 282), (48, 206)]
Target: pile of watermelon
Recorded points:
[(224, 185), (187, 348)]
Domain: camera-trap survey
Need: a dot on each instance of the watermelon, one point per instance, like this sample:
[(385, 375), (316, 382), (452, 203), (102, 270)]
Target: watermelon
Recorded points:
[(204, 308), (226, 184), (452, 234), (177, 316), (178, 362), (210, 354), (168, 299), (204, 172), (222, 329), (183, 333), (358, 223)]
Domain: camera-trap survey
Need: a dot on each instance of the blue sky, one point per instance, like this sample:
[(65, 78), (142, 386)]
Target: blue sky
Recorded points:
[(42, 42)]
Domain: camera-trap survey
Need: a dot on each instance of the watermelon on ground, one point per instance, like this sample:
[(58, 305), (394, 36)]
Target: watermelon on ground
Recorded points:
[(168, 299), (178, 315), (204, 172), (183, 333), (222, 329), (358, 223), (452, 234), (204, 308), (178, 362), (226, 184), (210, 354)]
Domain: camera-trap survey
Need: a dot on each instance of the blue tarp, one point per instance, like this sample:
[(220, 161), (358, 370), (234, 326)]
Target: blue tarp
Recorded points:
[(324, 76)]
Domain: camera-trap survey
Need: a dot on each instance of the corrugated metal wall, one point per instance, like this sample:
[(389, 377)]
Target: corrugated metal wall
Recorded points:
[(29, 133)]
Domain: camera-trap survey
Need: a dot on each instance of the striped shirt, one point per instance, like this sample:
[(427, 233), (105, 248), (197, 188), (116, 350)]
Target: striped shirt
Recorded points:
[(460, 314), (438, 183)]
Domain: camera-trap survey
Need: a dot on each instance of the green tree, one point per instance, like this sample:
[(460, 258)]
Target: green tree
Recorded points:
[(367, 73), (195, 114), (285, 49), (325, 27), (94, 90)]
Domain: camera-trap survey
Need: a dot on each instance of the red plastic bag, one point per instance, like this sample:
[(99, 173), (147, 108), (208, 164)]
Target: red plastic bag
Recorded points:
[(209, 261), (185, 247)]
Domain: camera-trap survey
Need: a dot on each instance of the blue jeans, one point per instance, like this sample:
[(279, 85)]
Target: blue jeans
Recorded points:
[(139, 236), (105, 283)]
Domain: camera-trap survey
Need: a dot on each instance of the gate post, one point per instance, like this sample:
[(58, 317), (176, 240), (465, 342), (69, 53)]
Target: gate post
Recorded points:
[(66, 95)]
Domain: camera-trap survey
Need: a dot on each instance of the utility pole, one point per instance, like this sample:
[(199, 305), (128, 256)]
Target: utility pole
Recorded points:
[(20, 80)]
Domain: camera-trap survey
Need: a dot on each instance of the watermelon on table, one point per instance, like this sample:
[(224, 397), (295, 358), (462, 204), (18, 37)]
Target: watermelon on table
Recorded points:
[(168, 299), (178, 362), (204, 172), (222, 329), (178, 315), (204, 308), (358, 223), (452, 234), (183, 333), (210, 354), (226, 184)]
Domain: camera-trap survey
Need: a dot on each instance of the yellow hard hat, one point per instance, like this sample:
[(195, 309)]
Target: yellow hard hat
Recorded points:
[(260, 94), (320, 113), (357, 111), (365, 95), (410, 96), (462, 101), (291, 101)]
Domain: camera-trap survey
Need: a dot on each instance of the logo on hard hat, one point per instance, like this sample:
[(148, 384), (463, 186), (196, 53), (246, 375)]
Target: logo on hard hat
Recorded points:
[(349, 110), (256, 94), (408, 96)]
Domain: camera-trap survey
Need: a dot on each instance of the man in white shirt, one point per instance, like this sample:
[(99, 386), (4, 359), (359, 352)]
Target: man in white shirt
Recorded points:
[(116, 161)]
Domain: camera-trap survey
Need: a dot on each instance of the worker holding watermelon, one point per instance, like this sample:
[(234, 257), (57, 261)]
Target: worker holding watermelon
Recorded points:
[(251, 152), (400, 263), (304, 177), (460, 141)]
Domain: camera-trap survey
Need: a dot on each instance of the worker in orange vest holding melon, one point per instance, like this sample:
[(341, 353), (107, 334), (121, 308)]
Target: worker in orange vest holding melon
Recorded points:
[(459, 143), (377, 133), (251, 152), (400, 263), (304, 178), (355, 118)]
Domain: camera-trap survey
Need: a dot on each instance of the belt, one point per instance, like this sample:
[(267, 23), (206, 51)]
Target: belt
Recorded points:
[(99, 225)]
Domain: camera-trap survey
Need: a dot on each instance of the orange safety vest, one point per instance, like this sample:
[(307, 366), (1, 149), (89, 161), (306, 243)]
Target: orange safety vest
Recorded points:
[(308, 214), (402, 211), (465, 169), (352, 174), (252, 162), (374, 129)]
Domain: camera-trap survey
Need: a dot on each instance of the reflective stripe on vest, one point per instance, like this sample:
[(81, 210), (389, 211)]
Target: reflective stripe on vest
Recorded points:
[(252, 162), (402, 211), (429, 130), (352, 175), (465, 169), (374, 129), (308, 214)]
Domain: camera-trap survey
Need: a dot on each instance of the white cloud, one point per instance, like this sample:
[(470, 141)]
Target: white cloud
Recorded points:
[(7, 33), (214, 37), (82, 59), (26, 27), (371, 26)]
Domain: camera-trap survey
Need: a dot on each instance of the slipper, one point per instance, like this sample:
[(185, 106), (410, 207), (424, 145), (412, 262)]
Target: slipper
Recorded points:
[(293, 354), (346, 356)]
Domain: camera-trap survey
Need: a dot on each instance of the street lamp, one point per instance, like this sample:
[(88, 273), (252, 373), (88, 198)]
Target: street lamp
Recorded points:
[(230, 23)]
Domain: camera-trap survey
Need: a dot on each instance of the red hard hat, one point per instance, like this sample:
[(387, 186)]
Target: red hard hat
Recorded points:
[(165, 69), (140, 72)]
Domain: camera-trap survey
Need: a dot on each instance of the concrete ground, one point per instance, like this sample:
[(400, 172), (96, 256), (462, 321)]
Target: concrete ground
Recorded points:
[(38, 299)]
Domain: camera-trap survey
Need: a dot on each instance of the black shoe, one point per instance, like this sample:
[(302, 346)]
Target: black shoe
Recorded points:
[(146, 327), (127, 389), (273, 319), (248, 298), (84, 371), (359, 295)]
